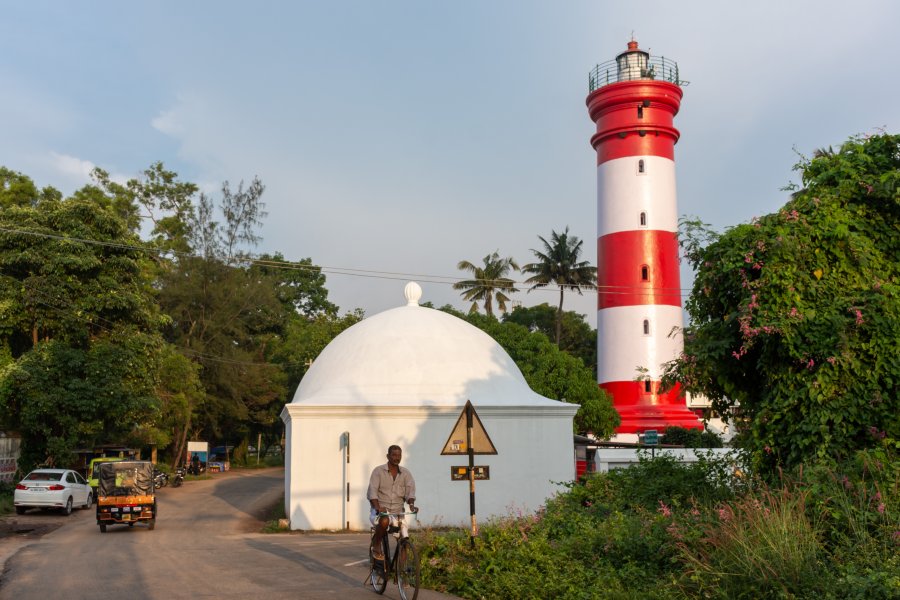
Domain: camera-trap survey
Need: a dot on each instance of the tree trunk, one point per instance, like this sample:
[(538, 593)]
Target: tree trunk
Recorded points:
[(181, 442), (559, 317)]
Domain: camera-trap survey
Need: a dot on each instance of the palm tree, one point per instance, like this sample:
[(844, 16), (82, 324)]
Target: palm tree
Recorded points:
[(558, 264), (488, 283)]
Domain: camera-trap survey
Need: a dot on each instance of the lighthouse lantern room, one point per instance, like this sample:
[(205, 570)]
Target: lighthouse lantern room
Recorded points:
[(633, 101)]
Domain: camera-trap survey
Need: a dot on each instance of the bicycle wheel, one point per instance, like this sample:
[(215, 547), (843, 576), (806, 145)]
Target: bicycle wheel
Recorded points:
[(377, 576), (408, 570)]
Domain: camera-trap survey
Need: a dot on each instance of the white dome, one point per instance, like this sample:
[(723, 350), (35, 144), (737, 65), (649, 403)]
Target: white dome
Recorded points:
[(415, 356)]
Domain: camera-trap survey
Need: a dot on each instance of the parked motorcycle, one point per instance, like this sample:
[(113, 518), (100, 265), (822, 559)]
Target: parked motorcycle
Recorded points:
[(160, 479), (178, 477)]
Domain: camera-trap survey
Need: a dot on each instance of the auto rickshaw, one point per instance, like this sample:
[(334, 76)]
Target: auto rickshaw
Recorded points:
[(125, 494)]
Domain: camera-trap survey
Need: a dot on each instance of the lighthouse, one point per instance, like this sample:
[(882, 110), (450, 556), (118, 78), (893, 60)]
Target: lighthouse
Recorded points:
[(633, 101)]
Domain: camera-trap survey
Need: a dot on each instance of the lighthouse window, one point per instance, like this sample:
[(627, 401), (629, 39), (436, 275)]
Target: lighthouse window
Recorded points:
[(647, 386), (646, 327), (645, 273), (643, 219), (640, 112), (641, 168)]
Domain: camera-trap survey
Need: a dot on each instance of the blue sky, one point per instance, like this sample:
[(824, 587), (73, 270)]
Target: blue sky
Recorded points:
[(403, 137)]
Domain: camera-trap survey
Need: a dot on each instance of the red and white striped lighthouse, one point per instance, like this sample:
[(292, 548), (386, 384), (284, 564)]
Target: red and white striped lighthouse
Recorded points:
[(633, 100)]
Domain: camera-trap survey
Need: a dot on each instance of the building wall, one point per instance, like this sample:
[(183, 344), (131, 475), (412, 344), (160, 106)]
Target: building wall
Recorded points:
[(606, 459), (534, 450), (9, 456)]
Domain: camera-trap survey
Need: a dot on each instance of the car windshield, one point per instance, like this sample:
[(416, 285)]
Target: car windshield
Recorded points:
[(95, 473), (125, 478), (43, 476)]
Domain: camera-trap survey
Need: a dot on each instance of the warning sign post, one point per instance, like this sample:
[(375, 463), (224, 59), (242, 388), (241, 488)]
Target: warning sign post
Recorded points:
[(469, 437)]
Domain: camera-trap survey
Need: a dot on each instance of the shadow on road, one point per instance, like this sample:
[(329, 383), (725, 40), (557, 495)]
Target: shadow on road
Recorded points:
[(305, 561)]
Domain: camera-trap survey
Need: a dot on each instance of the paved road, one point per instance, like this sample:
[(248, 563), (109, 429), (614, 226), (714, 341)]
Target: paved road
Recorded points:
[(206, 545)]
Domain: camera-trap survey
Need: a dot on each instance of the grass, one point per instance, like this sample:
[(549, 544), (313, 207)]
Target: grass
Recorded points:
[(6, 503), (274, 523)]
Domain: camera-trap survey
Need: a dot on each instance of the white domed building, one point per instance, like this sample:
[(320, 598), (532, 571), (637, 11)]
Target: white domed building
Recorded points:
[(402, 377)]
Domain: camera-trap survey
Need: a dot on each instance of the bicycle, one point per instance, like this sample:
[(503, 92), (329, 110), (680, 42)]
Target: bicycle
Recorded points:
[(403, 566)]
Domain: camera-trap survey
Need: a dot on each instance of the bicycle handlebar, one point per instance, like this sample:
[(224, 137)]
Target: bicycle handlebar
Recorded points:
[(399, 514)]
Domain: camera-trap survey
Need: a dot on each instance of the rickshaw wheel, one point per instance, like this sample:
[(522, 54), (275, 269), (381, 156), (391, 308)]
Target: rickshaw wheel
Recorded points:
[(102, 527), (152, 524)]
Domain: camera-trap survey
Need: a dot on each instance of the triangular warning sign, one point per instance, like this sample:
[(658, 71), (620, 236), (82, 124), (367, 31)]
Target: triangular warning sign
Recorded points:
[(481, 441)]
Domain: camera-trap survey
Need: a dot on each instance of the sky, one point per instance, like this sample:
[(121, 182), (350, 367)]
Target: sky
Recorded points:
[(396, 138)]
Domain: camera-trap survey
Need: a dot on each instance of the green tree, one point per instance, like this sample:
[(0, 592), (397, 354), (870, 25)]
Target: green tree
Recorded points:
[(558, 264), (578, 338), (489, 282), (552, 373), (795, 317), (300, 284), (224, 313), (304, 339), (80, 330)]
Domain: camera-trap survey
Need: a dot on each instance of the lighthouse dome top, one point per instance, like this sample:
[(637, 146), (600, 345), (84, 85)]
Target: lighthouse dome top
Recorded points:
[(416, 356)]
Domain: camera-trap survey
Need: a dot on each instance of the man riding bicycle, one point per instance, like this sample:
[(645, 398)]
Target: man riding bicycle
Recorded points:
[(389, 487)]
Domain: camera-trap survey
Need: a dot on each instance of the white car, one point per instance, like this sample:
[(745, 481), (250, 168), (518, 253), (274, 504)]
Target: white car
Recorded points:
[(52, 488)]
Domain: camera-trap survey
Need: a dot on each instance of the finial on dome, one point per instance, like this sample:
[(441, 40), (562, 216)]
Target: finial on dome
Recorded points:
[(413, 293)]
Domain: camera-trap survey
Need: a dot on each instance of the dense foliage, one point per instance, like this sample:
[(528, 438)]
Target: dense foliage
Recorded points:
[(80, 334), (795, 317), (663, 529), (108, 338), (577, 337)]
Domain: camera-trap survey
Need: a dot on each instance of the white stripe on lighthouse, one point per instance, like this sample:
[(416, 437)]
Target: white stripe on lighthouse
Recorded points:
[(624, 346), (623, 193)]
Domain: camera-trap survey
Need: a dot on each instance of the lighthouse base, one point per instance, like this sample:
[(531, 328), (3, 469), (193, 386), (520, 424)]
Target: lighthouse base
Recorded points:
[(641, 410)]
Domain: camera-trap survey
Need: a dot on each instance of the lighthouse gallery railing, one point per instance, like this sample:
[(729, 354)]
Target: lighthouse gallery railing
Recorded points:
[(659, 68)]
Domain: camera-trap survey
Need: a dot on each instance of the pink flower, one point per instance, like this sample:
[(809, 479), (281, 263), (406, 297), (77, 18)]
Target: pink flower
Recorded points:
[(859, 317), (767, 449), (794, 312), (831, 360), (881, 508), (810, 364), (665, 510)]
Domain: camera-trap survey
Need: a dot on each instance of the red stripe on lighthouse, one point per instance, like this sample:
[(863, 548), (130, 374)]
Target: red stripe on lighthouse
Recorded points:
[(635, 118), (638, 267)]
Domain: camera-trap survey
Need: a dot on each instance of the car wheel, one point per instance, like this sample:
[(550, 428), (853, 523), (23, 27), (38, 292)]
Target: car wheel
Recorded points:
[(20, 510), (68, 509), (90, 501)]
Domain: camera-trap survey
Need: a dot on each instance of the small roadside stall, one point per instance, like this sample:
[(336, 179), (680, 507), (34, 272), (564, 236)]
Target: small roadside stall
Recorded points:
[(197, 456)]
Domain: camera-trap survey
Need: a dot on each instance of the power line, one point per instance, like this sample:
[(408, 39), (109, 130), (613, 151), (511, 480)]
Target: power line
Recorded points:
[(358, 272)]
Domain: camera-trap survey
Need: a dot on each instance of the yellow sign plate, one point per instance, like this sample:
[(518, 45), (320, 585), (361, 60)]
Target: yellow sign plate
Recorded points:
[(481, 441)]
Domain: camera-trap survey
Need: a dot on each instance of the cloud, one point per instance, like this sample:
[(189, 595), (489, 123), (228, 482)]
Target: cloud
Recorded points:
[(76, 172), (72, 167)]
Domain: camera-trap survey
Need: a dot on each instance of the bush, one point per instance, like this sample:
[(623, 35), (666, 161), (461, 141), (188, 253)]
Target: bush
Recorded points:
[(663, 529), (691, 438)]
